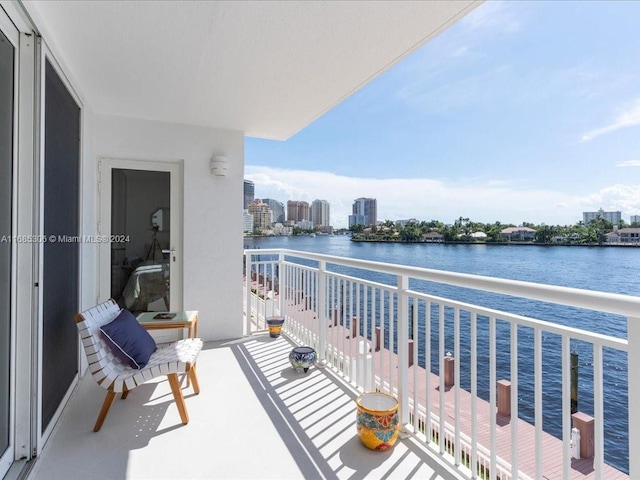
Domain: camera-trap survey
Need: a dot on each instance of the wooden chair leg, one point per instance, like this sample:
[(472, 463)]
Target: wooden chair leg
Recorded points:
[(125, 392), (177, 394), (194, 379), (106, 405)]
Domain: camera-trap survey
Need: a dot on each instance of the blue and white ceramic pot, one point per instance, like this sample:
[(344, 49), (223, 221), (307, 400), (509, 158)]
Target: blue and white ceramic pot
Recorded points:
[(302, 358)]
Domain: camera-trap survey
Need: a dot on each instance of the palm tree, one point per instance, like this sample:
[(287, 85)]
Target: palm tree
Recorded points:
[(450, 233), (544, 234), (493, 231), (600, 228), (410, 233)]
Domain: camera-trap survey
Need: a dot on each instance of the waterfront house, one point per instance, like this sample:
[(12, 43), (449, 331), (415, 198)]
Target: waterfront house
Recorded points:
[(519, 234), (612, 237), (123, 117), (629, 235), (433, 237), (478, 235)]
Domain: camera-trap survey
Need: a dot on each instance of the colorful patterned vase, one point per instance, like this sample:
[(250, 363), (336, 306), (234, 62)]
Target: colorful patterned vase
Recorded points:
[(302, 358), (377, 420), (275, 326)]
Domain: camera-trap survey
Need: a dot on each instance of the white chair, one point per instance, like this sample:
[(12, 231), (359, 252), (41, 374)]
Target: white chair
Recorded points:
[(116, 377)]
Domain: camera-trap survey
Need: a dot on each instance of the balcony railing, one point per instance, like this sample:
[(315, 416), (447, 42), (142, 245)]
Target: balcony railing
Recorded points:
[(365, 319)]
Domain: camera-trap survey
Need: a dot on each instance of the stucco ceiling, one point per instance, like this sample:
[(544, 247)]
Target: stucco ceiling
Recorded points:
[(267, 68)]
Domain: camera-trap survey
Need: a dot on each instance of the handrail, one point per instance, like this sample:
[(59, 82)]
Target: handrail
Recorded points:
[(577, 333), (619, 304), (322, 277)]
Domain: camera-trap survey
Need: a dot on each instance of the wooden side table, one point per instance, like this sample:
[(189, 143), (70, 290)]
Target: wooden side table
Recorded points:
[(185, 319)]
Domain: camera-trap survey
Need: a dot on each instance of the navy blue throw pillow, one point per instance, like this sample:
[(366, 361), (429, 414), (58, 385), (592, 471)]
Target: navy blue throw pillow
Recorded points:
[(128, 340)]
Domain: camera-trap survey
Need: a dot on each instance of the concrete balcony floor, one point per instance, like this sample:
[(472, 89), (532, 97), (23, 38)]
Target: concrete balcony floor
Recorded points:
[(255, 418)]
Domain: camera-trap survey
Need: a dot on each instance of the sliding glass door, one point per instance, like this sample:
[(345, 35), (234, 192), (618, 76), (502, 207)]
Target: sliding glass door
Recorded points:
[(60, 275), (7, 96)]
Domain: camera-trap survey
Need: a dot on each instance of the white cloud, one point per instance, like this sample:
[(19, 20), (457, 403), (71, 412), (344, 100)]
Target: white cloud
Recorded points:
[(483, 200), (623, 198), (628, 117), (629, 163)]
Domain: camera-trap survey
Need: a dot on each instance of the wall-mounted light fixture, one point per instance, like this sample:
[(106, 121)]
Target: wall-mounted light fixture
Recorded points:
[(219, 165)]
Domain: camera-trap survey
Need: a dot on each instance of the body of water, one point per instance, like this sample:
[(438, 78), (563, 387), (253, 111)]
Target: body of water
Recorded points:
[(607, 269)]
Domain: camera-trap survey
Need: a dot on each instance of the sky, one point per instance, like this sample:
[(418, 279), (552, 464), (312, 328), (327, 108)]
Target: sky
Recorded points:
[(520, 112)]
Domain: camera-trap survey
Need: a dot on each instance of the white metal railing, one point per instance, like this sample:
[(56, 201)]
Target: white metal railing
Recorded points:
[(465, 446), (261, 294), (360, 317)]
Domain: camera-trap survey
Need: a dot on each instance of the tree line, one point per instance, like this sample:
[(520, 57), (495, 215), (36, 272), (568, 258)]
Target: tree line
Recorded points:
[(462, 229)]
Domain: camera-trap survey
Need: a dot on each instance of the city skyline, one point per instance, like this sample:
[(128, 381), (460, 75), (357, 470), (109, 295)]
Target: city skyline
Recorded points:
[(518, 113), (298, 212), (358, 209)]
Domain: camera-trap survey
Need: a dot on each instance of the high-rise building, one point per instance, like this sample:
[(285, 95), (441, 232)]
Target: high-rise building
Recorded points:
[(357, 220), (365, 209), (261, 215), (249, 193), (247, 221), (634, 219), (304, 225), (297, 211), (277, 210), (320, 213), (611, 217), (404, 223)]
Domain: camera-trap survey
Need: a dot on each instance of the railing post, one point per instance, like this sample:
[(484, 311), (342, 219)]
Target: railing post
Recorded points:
[(281, 282), (247, 281), (322, 311), (633, 360), (403, 348)]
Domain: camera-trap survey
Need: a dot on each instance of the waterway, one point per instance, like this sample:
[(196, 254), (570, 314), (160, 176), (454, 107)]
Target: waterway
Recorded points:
[(605, 269)]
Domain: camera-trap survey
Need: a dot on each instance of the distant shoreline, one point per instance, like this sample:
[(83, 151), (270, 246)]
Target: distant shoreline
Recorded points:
[(519, 244)]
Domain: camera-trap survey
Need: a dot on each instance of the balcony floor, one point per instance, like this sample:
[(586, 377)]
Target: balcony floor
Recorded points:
[(255, 418)]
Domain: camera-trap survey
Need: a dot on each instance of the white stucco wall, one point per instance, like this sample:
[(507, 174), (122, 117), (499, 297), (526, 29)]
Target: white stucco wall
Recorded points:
[(212, 209)]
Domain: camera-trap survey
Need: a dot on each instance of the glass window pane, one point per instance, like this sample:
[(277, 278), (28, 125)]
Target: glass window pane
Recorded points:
[(6, 180), (140, 220)]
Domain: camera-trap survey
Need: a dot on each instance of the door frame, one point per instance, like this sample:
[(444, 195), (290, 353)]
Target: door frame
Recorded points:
[(106, 165), (13, 35)]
